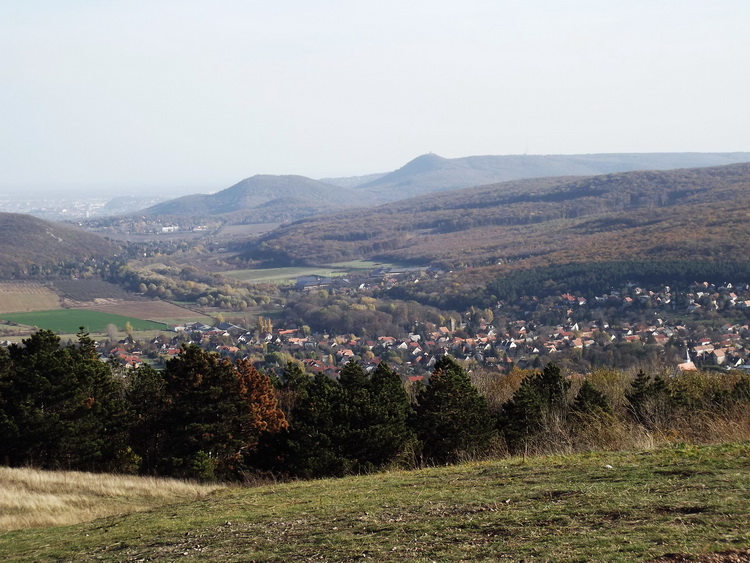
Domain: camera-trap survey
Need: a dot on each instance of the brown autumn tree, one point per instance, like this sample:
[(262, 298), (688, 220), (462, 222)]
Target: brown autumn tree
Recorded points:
[(263, 413)]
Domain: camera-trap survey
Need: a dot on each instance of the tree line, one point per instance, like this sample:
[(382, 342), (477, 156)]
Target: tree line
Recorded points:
[(204, 417)]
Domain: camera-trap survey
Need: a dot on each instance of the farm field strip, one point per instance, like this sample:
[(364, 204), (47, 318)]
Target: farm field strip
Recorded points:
[(68, 321), (27, 296), (281, 275), (160, 311), (366, 265)]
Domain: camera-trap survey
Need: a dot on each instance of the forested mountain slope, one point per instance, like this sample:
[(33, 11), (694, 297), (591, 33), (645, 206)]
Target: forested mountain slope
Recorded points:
[(30, 245), (696, 213), (430, 173)]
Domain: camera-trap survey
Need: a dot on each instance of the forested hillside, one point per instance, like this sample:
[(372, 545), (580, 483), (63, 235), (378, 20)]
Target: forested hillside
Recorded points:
[(432, 173), (31, 245), (659, 215), (269, 198)]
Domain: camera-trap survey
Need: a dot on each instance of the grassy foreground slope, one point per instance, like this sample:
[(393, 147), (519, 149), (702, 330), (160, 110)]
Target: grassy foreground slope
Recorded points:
[(608, 506)]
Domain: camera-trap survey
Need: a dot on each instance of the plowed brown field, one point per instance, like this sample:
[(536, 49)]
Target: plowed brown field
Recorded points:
[(20, 297)]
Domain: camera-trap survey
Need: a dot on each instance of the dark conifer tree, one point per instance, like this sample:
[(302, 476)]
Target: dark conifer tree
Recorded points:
[(374, 416), (639, 392), (590, 400), (213, 415), (649, 400), (145, 393), (451, 417), (310, 447), (539, 405), (63, 407), (355, 424), (9, 431)]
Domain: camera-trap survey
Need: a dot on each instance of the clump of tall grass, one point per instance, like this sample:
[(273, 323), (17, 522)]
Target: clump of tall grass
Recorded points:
[(635, 411), (36, 498)]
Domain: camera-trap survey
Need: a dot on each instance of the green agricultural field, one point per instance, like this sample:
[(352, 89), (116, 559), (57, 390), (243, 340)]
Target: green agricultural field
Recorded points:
[(679, 503), (68, 321), (364, 265), (281, 275), (285, 275)]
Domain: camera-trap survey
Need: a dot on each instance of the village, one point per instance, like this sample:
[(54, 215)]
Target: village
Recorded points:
[(705, 326)]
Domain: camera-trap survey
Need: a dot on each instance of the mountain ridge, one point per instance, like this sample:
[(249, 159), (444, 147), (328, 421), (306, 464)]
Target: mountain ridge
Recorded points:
[(281, 198), (552, 219), (432, 173)]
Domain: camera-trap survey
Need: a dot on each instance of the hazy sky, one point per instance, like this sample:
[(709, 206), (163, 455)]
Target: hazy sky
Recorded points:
[(202, 94)]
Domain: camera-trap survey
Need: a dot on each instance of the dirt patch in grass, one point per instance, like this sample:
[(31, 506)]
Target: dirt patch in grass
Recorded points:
[(734, 556)]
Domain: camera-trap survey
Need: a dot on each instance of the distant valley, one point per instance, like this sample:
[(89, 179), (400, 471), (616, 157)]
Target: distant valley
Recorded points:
[(661, 255)]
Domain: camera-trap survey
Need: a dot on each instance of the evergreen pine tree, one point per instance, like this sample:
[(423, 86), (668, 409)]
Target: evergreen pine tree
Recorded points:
[(196, 416), (451, 417), (63, 407), (373, 416), (649, 400), (591, 401), (213, 415), (355, 424), (539, 405), (146, 395), (9, 431), (639, 392), (310, 447)]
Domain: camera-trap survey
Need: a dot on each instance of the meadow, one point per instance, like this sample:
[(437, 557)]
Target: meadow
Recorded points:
[(289, 274), (68, 321), (281, 275), (674, 503), (32, 498)]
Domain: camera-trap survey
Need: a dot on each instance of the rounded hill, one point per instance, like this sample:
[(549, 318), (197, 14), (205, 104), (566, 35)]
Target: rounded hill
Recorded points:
[(267, 196), (31, 244)]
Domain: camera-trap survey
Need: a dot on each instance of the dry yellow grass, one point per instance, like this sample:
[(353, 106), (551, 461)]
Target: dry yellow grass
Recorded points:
[(32, 498), (20, 297)]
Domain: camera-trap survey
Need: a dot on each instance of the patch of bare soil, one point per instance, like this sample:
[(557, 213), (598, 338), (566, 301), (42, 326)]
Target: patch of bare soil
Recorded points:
[(731, 556)]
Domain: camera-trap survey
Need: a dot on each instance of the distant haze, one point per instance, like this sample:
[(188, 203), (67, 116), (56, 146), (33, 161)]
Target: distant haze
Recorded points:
[(188, 97)]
